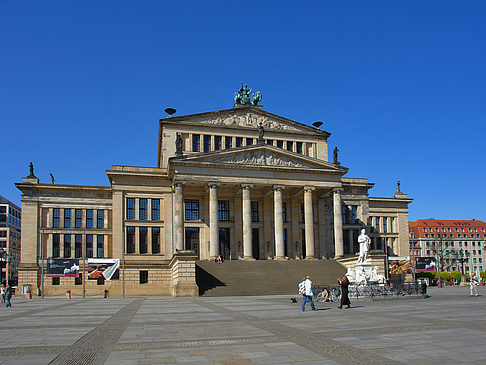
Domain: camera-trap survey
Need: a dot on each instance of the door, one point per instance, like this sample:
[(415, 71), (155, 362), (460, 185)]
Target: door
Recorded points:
[(303, 254), (192, 239), (224, 243), (255, 238)]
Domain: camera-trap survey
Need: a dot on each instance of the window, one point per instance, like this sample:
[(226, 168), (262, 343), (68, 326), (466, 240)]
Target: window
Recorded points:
[(344, 210), (279, 144), (269, 142), (100, 218), (217, 142), (78, 280), (78, 246), (191, 210), (457, 229), (67, 246), (155, 209), (424, 229), (385, 225), (142, 209), (290, 145), (89, 245), (142, 248), (353, 214), (56, 281), (249, 141), (143, 276), (239, 141), (207, 143), (223, 210), (100, 246), (130, 208), (130, 239), (155, 240), (302, 214), (78, 222), (284, 212), (195, 143), (377, 224), (298, 146), (228, 142), (254, 212), (56, 245), (57, 218), (89, 218), (67, 218)]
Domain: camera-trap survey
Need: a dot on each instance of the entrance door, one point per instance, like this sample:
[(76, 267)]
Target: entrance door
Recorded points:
[(192, 239), (303, 244), (255, 238), (224, 243)]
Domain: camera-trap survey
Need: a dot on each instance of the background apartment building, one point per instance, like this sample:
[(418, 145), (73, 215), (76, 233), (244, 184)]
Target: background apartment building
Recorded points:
[(10, 218)]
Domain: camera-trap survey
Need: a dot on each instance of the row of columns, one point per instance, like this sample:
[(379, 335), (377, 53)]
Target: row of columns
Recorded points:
[(178, 233)]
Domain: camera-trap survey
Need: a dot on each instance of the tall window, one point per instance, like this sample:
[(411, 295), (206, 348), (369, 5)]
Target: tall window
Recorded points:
[(78, 246), (130, 239), (217, 143), (78, 222), (254, 212), (269, 142), (67, 218), (284, 212), (228, 142), (89, 218), (142, 209), (142, 240), (223, 210), (249, 141), (377, 224), (298, 146), (353, 214), (279, 144), (89, 245), (191, 210), (239, 141), (143, 277), (155, 240), (56, 245), (302, 213), (207, 143), (290, 145), (100, 218), (385, 226), (100, 246), (155, 209), (130, 208), (195, 143), (57, 218), (67, 246)]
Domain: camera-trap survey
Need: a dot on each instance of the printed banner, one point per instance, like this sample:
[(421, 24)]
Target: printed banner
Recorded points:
[(108, 268), (399, 265), (58, 268), (423, 264)]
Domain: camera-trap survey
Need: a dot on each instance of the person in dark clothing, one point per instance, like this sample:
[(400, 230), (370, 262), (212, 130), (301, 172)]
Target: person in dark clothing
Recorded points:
[(344, 283), (8, 296)]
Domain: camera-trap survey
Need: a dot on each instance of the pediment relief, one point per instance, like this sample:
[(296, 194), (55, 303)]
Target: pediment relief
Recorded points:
[(262, 158), (249, 119)]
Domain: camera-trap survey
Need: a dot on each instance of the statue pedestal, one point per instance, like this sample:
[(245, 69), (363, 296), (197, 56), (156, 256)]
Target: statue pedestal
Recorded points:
[(363, 272)]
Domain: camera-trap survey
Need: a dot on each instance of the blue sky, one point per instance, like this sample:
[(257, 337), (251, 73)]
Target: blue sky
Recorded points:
[(400, 85)]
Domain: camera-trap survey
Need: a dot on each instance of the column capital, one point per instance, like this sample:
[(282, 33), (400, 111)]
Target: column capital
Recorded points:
[(309, 188), (213, 185), (178, 184), (338, 190), (278, 187), (246, 186)]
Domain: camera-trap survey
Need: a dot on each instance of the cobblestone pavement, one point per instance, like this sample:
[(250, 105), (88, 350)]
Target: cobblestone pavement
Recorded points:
[(447, 328)]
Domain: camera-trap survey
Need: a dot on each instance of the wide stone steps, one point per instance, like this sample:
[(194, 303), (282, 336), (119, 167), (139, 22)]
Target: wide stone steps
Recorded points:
[(263, 277)]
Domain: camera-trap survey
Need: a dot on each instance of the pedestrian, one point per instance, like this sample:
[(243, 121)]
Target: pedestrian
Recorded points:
[(8, 295), (423, 288), (305, 288), (472, 286), (3, 292), (344, 283)]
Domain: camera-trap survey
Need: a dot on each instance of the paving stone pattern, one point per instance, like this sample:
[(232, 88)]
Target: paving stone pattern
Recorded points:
[(447, 328)]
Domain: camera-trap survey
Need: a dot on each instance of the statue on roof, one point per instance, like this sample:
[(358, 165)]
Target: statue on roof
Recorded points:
[(178, 144), (242, 96), (52, 178), (398, 187), (31, 168), (335, 155), (256, 98), (261, 131)]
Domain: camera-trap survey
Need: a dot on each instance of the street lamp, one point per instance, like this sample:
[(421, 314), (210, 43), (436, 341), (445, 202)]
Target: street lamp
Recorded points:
[(462, 257)]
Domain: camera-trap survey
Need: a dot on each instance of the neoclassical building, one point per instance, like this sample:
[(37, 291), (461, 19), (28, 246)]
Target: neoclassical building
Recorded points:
[(242, 183)]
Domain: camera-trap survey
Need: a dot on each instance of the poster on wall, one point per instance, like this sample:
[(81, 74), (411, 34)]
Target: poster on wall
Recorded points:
[(107, 268), (58, 268), (424, 264), (399, 265)]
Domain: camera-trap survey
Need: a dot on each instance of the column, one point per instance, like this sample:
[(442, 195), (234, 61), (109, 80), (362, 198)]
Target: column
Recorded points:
[(277, 208), (351, 241), (309, 222), (213, 221), (338, 225), (178, 216), (247, 238)]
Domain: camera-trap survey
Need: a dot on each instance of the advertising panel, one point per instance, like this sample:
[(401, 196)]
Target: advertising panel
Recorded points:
[(108, 268), (399, 265), (423, 264), (58, 268)]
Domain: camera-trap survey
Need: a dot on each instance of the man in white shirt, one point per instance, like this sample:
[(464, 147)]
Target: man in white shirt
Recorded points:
[(305, 288)]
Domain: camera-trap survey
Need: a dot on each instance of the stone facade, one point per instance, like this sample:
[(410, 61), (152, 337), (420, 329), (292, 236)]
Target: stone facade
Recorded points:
[(224, 190)]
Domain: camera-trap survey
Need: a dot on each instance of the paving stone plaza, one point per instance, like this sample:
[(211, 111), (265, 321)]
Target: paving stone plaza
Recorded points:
[(447, 328)]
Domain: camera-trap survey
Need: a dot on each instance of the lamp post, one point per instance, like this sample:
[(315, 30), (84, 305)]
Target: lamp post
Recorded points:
[(462, 257)]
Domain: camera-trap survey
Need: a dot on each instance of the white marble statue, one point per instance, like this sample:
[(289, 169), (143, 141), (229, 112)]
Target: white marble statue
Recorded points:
[(364, 247), (350, 275), (375, 277), (360, 275)]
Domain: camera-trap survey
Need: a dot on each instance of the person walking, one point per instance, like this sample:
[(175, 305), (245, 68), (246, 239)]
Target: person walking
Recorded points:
[(3, 292), (472, 286), (305, 288), (344, 283), (8, 296)]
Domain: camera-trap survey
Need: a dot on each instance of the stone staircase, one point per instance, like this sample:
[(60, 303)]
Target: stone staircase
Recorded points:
[(261, 277)]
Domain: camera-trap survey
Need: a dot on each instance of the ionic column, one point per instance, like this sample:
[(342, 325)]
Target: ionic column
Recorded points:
[(213, 221), (246, 207), (277, 208), (338, 225), (309, 222), (178, 216)]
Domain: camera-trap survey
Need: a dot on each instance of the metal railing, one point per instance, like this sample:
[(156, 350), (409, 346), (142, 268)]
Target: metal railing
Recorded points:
[(357, 291)]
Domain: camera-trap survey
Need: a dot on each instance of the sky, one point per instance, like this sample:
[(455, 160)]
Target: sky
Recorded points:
[(400, 85)]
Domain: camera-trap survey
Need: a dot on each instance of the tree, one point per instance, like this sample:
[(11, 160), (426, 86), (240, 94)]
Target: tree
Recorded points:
[(444, 252)]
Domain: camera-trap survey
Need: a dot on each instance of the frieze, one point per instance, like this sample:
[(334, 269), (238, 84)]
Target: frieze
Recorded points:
[(260, 158), (249, 120)]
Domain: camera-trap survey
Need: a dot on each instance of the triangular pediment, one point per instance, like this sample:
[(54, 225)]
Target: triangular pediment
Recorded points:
[(260, 156)]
